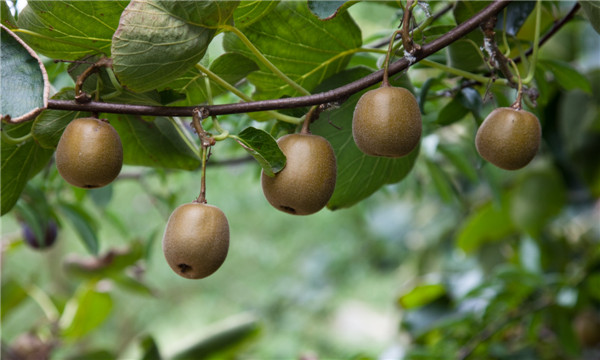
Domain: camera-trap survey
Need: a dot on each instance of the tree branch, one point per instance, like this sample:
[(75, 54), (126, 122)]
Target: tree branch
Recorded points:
[(336, 95)]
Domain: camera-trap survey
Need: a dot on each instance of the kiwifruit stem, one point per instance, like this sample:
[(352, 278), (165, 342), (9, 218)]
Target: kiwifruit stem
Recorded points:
[(518, 101), (206, 141), (311, 115), (386, 63)]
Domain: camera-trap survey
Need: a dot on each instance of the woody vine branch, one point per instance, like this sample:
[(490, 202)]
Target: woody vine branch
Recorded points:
[(336, 95)]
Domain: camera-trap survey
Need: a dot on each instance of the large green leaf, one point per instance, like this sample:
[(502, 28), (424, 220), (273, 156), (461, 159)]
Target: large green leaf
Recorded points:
[(230, 67), (264, 148), (358, 175), (85, 312), (325, 10), (249, 12), (70, 29), (83, 223), (156, 143), (567, 76), (421, 295), (12, 295), (490, 222), (536, 198), (50, 124), (24, 86), (303, 47), (222, 340), (146, 57), (20, 162), (592, 10), (6, 17)]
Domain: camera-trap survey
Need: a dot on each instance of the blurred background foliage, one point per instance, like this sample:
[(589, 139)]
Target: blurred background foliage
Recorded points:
[(459, 260)]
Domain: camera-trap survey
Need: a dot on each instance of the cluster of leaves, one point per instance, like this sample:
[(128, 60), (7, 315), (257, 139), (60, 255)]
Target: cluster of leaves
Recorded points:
[(524, 262)]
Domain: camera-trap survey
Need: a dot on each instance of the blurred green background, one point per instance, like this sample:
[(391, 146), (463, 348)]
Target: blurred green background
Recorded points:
[(419, 270)]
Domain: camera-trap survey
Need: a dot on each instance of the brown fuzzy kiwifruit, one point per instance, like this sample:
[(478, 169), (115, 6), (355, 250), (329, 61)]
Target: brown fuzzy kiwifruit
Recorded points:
[(307, 181), (196, 240), (509, 138), (387, 122), (89, 153)]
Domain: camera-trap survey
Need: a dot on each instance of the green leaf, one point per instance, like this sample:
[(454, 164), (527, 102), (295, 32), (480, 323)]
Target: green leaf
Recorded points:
[(231, 67), (19, 163), (6, 17), (516, 13), (421, 295), (83, 224), (592, 11), (326, 10), (24, 84), (94, 355), (358, 175), (471, 100), (463, 54), (452, 112), (300, 45), (149, 349), (70, 29), (537, 197), (263, 147), (567, 76), (110, 264), (592, 284), (50, 124), (157, 143), (91, 308), (422, 98), (488, 223), (459, 157), (441, 182), (146, 57), (249, 12), (12, 295), (223, 339)]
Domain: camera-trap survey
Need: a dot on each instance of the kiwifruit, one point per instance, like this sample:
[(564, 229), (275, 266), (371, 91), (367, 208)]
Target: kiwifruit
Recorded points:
[(89, 153), (509, 138), (307, 181), (196, 240), (387, 122)]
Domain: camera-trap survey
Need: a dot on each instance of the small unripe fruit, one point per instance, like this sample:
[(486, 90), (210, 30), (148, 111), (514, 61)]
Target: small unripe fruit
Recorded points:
[(587, 328), (50, 233), (89, 153), (196, 240), (387, 122), (307, 181), (509, 138)]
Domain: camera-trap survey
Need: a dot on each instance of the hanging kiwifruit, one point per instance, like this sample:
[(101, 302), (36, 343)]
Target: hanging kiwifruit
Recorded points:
[(307, 181), (387, 122), (196, 240), (509, 138), (89, 153)]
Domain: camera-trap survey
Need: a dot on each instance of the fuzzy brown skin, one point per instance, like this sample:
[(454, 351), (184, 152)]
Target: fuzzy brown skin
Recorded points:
[(387, 122), (509, 138), (196, 240), (307, 181), (89, 153)]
